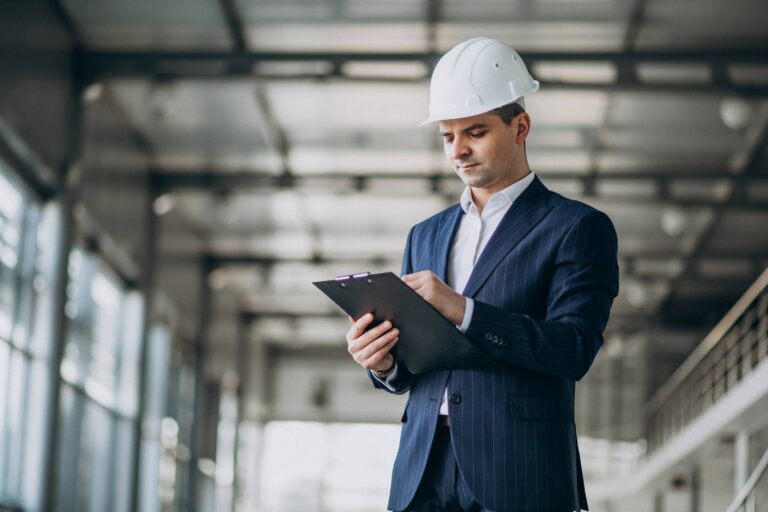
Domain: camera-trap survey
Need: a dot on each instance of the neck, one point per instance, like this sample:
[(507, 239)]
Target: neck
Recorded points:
[(480, 196)]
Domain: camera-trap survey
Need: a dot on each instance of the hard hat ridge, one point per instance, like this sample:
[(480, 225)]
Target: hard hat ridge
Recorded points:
[(477, 76)]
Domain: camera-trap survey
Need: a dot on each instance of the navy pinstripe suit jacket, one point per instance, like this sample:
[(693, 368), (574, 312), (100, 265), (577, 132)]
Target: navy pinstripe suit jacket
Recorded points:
[(543, 288)]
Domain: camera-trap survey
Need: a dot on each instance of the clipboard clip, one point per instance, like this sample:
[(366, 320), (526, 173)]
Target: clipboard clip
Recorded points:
[(353, 276)]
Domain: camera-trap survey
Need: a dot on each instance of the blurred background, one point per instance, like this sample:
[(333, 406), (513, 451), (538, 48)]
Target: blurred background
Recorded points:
[(174, 174)]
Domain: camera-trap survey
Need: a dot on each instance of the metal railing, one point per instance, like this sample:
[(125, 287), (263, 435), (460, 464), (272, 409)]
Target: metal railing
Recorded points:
[(754, 493), (737, 344)]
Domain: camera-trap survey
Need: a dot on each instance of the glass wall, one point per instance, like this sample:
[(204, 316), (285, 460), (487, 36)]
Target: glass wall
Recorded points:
[(155, 428), (19, 266), (99, 394), (166, 425)]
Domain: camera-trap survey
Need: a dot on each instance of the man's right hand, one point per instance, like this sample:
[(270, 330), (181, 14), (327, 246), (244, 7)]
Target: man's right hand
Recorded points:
[(371, 349)]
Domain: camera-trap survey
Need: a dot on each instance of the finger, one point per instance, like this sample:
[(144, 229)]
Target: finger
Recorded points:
[(413, 282), (351, 320), (359, 326), (378, 344), (380, 354), (418, 286), (416, 275), (359, 343), (376, 332)]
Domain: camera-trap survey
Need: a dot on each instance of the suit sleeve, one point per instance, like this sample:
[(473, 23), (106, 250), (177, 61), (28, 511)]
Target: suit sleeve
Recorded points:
[(400, 380), (584, 282)]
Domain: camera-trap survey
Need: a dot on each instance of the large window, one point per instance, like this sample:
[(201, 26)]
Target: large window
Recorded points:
[(99, 399), (18, 272), (156, 481), (326, 466)]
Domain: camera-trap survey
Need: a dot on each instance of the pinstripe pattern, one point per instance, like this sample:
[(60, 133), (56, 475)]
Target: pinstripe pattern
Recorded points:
[(543, 288)]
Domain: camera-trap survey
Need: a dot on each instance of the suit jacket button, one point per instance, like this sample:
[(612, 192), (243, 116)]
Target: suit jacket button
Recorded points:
[(455, 398), (488, 336)]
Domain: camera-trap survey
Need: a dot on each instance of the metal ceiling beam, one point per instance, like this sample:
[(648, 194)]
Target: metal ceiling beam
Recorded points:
[(314, 352), (213, 181), (222, 64), (235, 24), (634, 25), (255, 316), (66, 19), (433, 15), (276, 137), (678, 317), (217, 261), (743, 171)]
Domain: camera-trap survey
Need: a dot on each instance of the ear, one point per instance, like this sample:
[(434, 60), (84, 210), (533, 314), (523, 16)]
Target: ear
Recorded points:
[(523, 127)]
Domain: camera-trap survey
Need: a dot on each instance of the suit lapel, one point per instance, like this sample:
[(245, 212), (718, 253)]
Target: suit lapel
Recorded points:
[(519, 220), (446, 230)]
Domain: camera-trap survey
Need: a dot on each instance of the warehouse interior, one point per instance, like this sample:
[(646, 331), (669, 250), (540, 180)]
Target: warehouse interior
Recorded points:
[(174, 175)]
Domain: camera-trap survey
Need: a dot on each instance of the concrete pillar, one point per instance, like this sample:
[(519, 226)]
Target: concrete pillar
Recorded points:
[(695, 488), (740, 461), (204, 315), (65, 198), (148, 288)]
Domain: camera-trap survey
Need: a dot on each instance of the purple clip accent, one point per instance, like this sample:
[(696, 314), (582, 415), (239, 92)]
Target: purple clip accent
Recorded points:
[(343, 278), (363, 274)]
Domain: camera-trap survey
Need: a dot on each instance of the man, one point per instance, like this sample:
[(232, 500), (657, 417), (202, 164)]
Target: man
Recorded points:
[(529, 276)]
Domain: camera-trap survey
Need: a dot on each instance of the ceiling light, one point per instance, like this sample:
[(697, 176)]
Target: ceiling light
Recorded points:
[(614, 346), (217, 280), (164, 204), (637, 294), (207, 467), (736, 113), (169, 427), (93, 92), (673, 221)]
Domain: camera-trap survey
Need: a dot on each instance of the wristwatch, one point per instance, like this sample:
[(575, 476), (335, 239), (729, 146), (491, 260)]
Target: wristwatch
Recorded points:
[(384, 373)]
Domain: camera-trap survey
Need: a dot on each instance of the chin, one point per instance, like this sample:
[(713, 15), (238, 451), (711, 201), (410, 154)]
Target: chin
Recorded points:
[(476, 182)]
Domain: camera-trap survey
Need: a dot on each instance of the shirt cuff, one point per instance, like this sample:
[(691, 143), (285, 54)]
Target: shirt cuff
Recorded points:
[(468, 310), (387, 382)]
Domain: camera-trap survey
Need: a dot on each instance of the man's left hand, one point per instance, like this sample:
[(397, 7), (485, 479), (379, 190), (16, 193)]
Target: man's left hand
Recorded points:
[(449, 303)]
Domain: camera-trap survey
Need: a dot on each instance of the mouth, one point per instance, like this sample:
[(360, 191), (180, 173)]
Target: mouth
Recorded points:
[(465, 167)]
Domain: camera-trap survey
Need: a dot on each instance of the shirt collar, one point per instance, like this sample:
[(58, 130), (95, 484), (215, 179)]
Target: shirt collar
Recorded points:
[(508, 194)]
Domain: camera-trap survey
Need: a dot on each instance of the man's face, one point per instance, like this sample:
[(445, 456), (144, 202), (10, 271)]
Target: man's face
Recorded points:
[(481, 149)]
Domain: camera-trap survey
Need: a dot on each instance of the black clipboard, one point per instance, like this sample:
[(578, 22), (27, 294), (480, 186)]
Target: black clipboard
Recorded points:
[(428, 340)]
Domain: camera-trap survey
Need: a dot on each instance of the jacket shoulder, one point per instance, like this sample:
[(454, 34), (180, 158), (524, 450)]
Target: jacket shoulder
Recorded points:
[(571, 211), (432, 223)]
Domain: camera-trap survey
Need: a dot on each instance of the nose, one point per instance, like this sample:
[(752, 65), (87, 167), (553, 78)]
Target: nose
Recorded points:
[(460, 149)]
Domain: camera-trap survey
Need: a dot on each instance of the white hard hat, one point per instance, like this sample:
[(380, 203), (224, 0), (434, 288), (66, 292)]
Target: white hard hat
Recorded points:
[(477, 76)]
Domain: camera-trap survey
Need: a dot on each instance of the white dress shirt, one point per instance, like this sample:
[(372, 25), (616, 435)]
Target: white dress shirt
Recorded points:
[(475, 229), (474, 232)]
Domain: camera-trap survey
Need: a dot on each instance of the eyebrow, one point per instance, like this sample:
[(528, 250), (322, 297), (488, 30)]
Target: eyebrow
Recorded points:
[(469, 128)]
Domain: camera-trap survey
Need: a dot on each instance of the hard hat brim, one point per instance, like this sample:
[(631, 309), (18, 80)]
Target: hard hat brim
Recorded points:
[(459, 115)]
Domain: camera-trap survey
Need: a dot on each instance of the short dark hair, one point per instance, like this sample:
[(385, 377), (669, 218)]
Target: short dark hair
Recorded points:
[(508, 112)]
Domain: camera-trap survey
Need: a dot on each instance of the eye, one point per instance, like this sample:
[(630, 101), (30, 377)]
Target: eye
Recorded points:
[(476, 135), (447, 140)]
